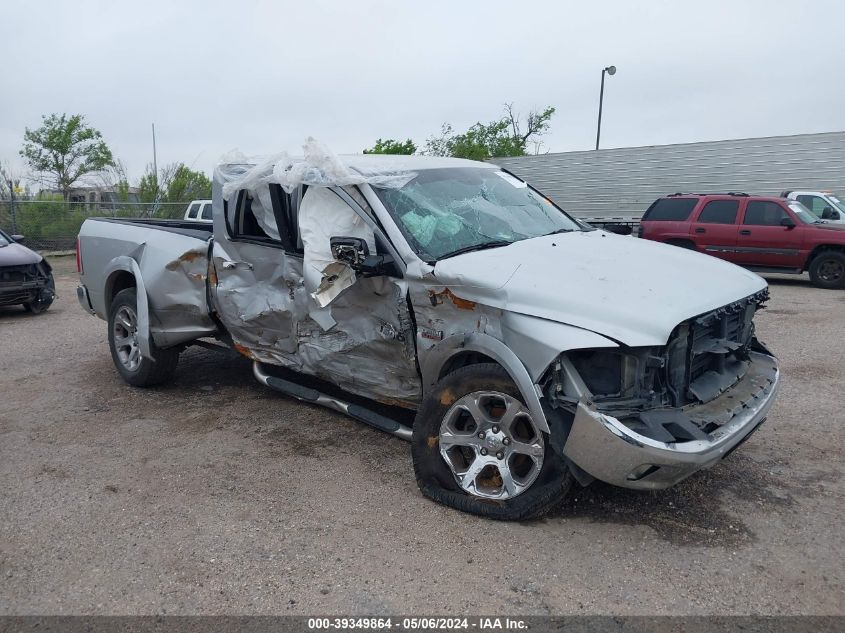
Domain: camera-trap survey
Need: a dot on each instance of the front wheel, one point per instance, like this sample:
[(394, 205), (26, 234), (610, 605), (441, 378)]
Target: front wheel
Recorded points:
[(125, 352), (827, 270), (44, 299), (476, 448)]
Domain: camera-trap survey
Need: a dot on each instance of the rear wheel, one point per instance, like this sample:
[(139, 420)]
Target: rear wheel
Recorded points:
[(827, 270), (477, 448), (125, 351)]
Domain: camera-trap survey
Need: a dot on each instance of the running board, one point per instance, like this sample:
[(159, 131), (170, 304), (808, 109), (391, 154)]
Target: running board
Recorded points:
[(306, 394)]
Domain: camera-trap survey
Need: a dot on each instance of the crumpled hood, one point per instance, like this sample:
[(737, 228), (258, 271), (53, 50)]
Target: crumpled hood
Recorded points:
[(631, 290), (17, 255)]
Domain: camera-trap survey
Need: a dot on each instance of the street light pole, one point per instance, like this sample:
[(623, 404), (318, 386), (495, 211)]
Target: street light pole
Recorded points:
[(610, 70)]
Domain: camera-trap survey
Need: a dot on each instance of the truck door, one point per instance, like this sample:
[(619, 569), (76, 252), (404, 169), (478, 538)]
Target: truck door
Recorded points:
[(358, 334), (257, 276), (715, 229), (272, 261), (764, 241)]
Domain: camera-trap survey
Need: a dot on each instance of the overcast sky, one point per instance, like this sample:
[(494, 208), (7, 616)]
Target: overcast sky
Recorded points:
[(261, 76)]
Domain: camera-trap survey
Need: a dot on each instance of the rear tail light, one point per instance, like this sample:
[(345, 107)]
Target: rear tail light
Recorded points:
[(78, 257)]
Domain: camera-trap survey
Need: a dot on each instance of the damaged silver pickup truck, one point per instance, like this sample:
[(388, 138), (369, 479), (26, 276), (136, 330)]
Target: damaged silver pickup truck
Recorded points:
[(535, 351)]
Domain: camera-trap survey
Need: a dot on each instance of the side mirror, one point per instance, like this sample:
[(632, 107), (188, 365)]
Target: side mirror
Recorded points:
[(827, 214), (354, 252), (378, 266), (17, 238), (789, 223), (835, 215), (350, 250)]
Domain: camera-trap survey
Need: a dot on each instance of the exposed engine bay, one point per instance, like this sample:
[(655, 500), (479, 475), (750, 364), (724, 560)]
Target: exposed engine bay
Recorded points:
[(655, 390)]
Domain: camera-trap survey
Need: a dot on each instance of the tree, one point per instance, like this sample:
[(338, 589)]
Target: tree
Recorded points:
[(116, 179), (507, 136), (11, 183), (186, 185), (64, 149), (389, 146), (175, 182), (148, 186)]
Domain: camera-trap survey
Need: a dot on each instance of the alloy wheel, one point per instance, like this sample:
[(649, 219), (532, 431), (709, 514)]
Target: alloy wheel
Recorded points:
[(491, 444)]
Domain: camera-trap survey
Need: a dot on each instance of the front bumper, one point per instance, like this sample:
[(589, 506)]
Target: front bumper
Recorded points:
[(610, 451), (21, 291)]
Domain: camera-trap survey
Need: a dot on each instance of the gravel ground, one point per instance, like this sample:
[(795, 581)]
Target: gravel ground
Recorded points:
[(215, 495)]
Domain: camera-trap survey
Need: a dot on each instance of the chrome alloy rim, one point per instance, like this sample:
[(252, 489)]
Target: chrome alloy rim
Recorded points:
[(491, 444), (125, 335)]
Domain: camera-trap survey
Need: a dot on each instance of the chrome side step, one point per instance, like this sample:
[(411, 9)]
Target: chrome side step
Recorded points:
[(306, 394)]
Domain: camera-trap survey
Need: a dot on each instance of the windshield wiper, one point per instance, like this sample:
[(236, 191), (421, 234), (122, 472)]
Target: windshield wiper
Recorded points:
[(476, 247), (559, 231)]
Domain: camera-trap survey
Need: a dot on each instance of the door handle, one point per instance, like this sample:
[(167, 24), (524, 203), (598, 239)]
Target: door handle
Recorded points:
[(745, 232), (229, 265), (700, 230)]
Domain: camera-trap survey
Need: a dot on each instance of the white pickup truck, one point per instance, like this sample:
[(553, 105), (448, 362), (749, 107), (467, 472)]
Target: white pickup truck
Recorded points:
[(823, 204), (199, 211), (531, 351)]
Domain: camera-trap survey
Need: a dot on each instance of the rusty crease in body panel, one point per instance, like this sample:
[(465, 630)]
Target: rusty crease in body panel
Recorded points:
[(462, 304), (186, 258), (244, 351)]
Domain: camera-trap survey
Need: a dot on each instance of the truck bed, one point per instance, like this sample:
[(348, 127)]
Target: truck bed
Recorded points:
[(182, 227), (166, 259)]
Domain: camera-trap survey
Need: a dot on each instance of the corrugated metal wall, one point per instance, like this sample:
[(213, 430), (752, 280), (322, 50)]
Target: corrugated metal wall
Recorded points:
[(623, 182)]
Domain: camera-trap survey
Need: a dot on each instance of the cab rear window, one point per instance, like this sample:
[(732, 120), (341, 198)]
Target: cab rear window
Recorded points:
[(670, 209)]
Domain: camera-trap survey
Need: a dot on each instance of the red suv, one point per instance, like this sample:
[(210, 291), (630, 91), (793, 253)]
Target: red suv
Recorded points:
[(764, 234)]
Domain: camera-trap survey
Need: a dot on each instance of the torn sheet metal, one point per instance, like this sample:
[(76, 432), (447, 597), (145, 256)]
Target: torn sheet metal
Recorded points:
[(354, 332), (337, 277)]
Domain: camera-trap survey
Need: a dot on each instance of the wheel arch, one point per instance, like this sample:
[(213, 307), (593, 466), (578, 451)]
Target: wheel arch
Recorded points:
[(821, 248), (118, 280), (465, 349), (125, 270)]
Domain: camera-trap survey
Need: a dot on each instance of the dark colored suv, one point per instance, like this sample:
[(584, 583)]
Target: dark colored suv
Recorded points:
[(761, 233), (25, 277)]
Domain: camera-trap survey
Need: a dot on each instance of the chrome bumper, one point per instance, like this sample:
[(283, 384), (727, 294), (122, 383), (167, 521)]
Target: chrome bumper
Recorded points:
[(84, 300), (610, 451)]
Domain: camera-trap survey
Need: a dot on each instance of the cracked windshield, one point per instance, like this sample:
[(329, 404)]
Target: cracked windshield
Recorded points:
[(445, 212)]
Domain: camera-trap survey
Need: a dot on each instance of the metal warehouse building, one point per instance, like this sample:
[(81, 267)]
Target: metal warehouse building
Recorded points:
[(622, 182)]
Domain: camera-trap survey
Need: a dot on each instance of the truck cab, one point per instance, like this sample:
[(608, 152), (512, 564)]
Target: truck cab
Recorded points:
[(199, 211), (825, 205)]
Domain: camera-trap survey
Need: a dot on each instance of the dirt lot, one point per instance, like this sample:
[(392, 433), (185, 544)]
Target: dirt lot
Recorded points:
[(215, 495)]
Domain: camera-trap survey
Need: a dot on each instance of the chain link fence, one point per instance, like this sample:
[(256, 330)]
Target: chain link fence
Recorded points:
[(54, 225)]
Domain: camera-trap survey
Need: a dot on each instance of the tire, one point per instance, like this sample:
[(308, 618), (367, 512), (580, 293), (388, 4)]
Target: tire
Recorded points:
[(44, 300), (134, 368), (827, 270), (488, 389)]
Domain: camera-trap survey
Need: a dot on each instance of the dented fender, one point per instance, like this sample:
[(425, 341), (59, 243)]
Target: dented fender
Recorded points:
[(438, 355)]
